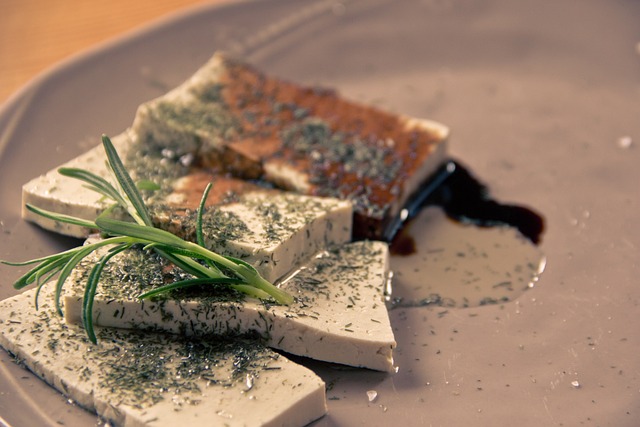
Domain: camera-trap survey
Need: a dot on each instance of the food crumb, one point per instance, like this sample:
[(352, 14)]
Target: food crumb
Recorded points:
[(625, 142), (372, 395)]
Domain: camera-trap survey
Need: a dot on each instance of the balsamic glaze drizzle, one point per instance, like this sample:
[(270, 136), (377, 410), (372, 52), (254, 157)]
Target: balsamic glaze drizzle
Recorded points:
[(464, 198)]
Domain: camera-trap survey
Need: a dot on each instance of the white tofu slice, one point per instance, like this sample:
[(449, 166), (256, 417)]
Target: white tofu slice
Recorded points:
[(154, 379), (339, 314), (57, 193), (304, 139), (273, 230)]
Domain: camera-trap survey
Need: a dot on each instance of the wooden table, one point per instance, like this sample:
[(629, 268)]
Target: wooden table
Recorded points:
[(36, 34)]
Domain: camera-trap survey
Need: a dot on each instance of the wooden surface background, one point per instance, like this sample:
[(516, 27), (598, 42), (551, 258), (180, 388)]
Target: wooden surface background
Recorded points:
[(37, 34)]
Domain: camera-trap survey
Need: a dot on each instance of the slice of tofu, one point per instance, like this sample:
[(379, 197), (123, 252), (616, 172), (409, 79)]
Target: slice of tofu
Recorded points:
[(310, 140), (152, 379), (57, 193), (275, 231), (271, 229), (339, 314)]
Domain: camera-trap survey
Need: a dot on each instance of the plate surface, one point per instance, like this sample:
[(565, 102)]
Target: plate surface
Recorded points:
[(543, 101)]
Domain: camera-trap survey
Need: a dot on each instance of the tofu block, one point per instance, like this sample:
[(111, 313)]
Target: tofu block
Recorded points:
[(54, 192), (275, 231), (339, 314), (151, 379), (310, 140)]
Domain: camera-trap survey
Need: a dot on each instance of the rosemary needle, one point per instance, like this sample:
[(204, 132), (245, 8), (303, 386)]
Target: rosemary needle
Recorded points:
[(193, 257)]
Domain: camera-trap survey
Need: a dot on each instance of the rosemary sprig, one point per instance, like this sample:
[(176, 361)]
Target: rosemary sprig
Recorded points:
[(206, 266)]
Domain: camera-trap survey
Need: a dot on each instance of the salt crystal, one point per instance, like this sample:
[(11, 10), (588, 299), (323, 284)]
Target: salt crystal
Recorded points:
[(187, 159), (372, 395)]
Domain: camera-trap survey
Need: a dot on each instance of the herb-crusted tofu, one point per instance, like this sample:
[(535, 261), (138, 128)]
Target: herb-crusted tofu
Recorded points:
[(309, 140), (339, 314), (275, 231), (133, 378)]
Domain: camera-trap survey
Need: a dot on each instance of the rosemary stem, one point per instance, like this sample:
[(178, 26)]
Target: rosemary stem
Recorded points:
[(251, 276)]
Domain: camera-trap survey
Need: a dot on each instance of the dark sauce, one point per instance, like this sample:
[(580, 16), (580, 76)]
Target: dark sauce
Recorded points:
[(403, 243), (464, 198)]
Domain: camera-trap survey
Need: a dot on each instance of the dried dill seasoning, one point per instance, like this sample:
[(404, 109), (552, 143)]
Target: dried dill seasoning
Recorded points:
[(144, 369)]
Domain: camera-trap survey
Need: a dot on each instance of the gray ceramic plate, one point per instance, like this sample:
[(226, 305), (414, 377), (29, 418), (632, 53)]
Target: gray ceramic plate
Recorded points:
[(544, 102)]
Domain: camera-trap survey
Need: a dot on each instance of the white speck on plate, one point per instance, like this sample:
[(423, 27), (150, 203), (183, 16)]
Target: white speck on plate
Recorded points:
[(625, 142)]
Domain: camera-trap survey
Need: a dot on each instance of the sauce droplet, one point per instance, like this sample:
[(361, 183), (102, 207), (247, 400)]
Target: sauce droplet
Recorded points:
[(464, 198)]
